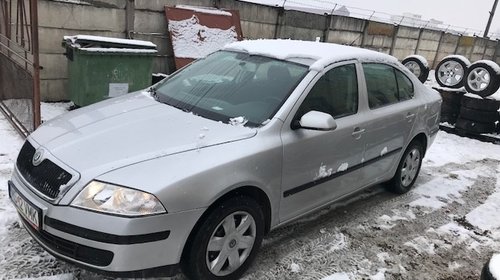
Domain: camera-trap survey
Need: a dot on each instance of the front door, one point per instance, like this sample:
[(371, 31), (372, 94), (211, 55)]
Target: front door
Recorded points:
[(320, 166)]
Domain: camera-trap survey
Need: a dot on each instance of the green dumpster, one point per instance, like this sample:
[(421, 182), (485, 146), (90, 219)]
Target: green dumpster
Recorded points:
[(103, 67)]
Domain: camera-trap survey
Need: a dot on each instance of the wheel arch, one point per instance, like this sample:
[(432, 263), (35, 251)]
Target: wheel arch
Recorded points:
[(249, 191), (422, 138)]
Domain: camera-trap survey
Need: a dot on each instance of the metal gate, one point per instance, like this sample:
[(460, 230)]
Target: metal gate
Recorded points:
[(19, 64)]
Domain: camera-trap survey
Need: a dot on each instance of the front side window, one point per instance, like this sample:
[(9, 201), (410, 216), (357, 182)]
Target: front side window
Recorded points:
[(335, 93), (229, 85), (386, 85)]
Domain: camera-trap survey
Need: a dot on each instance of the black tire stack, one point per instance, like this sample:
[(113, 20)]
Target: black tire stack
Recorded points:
[(450, 108), (478, 115)]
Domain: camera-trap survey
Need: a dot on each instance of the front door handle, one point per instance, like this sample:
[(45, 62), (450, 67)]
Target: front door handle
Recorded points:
[(358, 132)]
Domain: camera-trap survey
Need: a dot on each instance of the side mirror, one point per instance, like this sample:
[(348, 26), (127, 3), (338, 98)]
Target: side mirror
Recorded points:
[(317, 121)]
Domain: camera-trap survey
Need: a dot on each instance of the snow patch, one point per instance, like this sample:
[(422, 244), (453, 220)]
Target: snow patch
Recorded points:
[(460, 57), (295, 268), (422, 59), (421, 244), (323, 172), (343, 167), (380, 274), (102, 39), (454, 266), (193, 40), (491, 64), (440, 191), (322, 53), (337, 276), (205, 10), (238, 121), (388, 222), (119, 50), (487, 215)]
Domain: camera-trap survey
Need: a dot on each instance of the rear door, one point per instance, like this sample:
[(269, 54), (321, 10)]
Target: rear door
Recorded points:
[(320, 166), (393, 110)]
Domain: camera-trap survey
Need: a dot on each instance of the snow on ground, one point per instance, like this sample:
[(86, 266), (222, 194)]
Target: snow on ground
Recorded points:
[(446, 228)]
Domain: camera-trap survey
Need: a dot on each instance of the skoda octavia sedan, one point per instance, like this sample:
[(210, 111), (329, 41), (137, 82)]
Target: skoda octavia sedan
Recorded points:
[(193, 172)]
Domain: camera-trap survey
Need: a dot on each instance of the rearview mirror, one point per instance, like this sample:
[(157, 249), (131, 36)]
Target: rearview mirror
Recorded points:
[(317, 121)]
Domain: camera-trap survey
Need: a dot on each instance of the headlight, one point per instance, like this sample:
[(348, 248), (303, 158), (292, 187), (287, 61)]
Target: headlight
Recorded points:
[(109, 198)]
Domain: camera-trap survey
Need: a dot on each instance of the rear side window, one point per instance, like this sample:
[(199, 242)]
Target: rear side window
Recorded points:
[(386, 85), (405, 86)]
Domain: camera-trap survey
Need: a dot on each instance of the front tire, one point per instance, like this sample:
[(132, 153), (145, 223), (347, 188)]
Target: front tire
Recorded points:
[(226, 241), (408, 169)]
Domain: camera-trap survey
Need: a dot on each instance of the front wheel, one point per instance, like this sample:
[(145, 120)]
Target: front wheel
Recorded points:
[(227, 240), (408, 169)]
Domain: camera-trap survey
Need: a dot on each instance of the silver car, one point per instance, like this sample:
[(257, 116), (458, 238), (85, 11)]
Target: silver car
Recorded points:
[(193, 172)]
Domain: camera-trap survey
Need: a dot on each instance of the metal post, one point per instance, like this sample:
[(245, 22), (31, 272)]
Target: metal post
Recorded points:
[(130, 18), (394, 38), (437, 50), (417, 47), (36, 64), (492, 14), (365, 33)]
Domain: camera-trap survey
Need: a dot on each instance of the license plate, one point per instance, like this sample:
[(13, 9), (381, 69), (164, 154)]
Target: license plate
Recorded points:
[(29, 212)]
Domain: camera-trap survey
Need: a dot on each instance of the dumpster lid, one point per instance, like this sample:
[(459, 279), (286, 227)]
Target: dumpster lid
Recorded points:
[(100, 42)]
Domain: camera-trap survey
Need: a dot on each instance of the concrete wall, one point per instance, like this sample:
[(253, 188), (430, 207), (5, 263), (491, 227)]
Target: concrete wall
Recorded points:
[(145, 20)]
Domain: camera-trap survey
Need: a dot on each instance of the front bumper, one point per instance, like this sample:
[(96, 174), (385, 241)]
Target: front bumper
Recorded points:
[(118, 246)]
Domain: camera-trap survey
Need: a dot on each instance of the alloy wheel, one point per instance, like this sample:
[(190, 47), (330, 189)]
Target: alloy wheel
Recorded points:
[(231, 243)]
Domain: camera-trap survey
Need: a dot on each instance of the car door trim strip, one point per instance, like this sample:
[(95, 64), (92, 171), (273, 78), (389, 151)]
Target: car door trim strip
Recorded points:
[(338, 174)]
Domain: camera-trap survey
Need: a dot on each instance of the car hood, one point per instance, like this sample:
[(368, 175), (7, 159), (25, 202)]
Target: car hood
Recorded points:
[(127, 130)]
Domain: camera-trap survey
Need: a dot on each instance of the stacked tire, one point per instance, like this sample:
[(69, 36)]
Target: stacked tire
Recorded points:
[(479, 114), (465, 88), (450, 108)]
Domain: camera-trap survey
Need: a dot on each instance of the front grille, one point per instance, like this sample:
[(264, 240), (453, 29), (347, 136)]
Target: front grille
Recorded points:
[(46, 178), (71, 249)]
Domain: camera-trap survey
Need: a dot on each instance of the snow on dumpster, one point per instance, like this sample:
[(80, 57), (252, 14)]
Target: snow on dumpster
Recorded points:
[(198, 31)]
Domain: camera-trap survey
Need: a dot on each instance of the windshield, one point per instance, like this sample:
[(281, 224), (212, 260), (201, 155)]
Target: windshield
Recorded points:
[(232, 87)]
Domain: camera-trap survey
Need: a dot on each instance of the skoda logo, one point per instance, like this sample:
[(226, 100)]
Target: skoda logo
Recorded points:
[(37, 157)]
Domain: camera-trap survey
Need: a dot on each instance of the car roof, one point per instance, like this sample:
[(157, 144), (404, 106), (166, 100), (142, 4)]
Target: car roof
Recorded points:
[(323, 54)]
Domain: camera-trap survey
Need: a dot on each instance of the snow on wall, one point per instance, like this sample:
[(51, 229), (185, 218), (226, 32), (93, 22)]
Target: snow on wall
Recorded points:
[(205, 10), (190, 39)]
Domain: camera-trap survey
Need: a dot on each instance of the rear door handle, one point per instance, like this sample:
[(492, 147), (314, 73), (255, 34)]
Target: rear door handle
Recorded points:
[(410, 116)]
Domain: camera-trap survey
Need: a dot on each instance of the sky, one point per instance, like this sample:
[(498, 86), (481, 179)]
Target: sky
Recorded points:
[(460, 13)]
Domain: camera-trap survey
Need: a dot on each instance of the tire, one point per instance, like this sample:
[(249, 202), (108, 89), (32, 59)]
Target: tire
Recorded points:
[(450, 118), (478, 116), (485, 273), (483, 78), (451, 71), (408, 169), (450, 108), (235, 210), (452, 96), (480, 104), (418, 65), (475, 127)]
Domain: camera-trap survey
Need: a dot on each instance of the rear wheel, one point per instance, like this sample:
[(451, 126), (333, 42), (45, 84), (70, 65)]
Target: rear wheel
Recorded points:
[(408, 169), (227, 240)]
